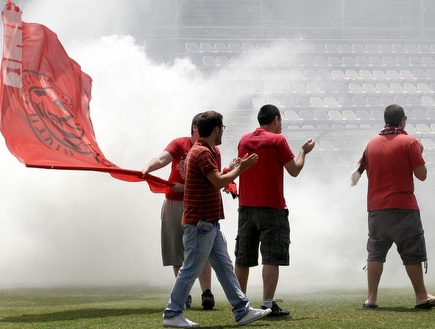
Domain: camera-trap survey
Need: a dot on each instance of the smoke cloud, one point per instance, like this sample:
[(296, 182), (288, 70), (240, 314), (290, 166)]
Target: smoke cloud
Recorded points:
[(62, 228)]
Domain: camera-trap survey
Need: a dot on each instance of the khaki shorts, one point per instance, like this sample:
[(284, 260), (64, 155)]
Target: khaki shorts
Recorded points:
[(400, 226), (172, 233)]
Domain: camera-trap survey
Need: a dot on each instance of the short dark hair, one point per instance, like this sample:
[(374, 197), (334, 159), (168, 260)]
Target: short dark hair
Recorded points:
[(194, 123), (207, 121), (267, 114), (393, 115)]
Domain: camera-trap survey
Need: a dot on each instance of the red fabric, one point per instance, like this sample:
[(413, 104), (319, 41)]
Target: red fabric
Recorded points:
[(45, 104), (389, 161)]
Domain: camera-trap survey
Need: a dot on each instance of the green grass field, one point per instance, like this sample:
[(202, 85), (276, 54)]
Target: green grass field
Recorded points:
[(127, 308)]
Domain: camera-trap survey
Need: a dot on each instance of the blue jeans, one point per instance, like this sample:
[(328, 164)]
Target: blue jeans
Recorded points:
[(202, 242)]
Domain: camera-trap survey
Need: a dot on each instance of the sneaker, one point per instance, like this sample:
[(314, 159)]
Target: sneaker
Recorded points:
[(207, 300), (253, 315), (189, 302), (179, 321), (276, 310)]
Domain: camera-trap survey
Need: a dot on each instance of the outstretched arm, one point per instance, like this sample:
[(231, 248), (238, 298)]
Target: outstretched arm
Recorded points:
[(294, 167)]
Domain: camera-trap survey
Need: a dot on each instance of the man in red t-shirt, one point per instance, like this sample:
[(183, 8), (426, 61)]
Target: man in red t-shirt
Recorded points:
[(263, 213), (172, 210), (391, 159)]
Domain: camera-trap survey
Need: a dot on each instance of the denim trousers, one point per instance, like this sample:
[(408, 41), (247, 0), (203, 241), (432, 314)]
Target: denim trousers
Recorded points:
[(201, 242)]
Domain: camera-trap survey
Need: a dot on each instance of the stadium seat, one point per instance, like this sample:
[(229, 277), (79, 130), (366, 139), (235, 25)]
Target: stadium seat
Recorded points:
[(291, 115), (317, 102), (375, 61), (285, 88), (419, 115), (300, 87), (234, 48), (314, 88), (424, 49), (324, 74), (345, 48), (307, 61), (419, 74), (369, 88), (335, 115), (338, 75), (345, 102), (415, 101), (192, 47), (221, 48), (406, 75), (397, 48), (385, 48), (350, 115), (424, 87), (409, 87), (389, 61), (415, 61), (288, 102), (428, 144), (430, 114), (331, 48), (321, 115), (334, 61), (331, 101), (410, 128), (222, 60), (363, 115), (428, 101), (377, 114), (385, 101), (362, 61), (321, 61), (411, 49), (428, 61), (358, 48), (371, 48), (359, 101), (302, 102), (366, 75), (355, 88), (393, 75), (379, 75), (209, 61), (383, 88), (352, 75), (423, 128), (206, 47), (296, 75), (306, 115), (341, 88), (247, 46), (317, 48), (348, 61)]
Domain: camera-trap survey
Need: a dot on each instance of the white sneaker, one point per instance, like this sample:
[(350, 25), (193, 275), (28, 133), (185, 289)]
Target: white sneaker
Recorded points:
[(253, 315), (179, 321)]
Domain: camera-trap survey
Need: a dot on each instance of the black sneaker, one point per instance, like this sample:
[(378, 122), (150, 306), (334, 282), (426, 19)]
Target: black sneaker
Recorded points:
[(189, 302), (207, 300), (276, 310)]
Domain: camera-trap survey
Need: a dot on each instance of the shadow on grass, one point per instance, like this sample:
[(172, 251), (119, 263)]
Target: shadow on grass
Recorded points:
[(88, 313), (397, 309)]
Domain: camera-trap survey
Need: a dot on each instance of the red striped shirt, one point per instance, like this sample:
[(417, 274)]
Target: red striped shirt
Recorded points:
[(202, 200)]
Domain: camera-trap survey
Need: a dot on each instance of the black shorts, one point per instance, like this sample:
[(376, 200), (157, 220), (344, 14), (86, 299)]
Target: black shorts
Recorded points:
[(267, 228), (400, 226)]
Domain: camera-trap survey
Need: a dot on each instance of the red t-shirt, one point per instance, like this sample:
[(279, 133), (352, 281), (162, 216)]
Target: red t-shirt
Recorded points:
[(202, 200), (178, 149), (390, 161), (262, 184)]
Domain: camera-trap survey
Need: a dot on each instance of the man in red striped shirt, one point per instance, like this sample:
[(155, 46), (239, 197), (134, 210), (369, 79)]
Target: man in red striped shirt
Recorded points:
[(202, 237)]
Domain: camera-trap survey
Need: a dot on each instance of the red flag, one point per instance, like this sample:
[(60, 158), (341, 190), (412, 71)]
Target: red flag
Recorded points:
[(45, 99)]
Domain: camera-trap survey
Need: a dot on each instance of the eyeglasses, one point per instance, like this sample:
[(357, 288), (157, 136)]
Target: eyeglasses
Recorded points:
[(223, 127)]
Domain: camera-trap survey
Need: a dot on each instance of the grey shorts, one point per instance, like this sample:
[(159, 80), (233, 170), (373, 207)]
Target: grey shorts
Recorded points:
[(400, 226), (266, 228), (172, 233)]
